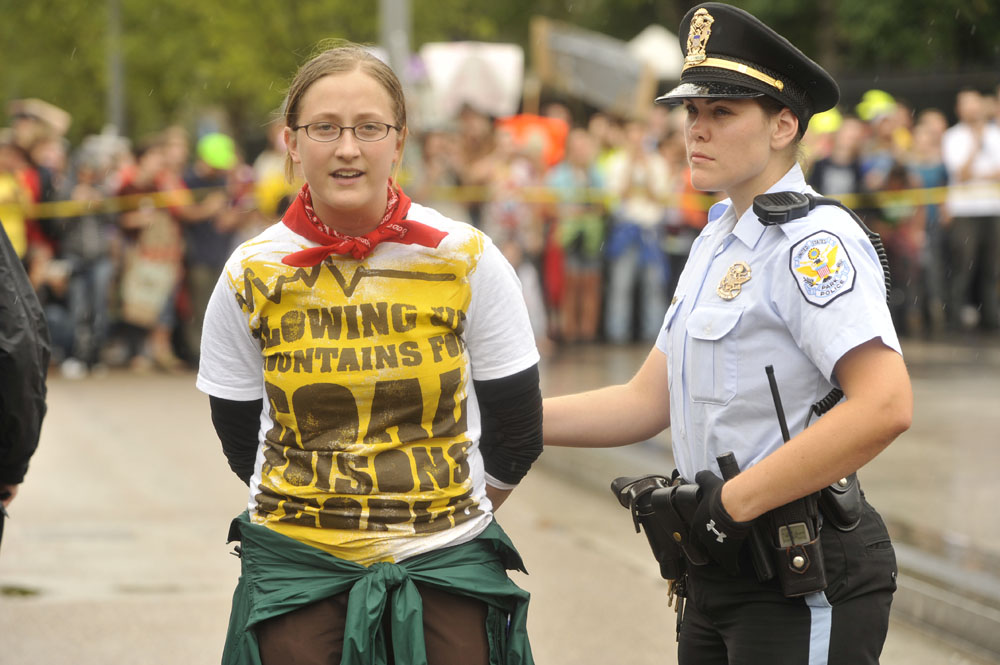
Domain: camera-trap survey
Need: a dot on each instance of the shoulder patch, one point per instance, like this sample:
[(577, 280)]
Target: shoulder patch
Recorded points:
[(821, 268)]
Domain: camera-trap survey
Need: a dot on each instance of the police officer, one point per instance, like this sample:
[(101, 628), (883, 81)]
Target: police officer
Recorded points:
[(806, 297)]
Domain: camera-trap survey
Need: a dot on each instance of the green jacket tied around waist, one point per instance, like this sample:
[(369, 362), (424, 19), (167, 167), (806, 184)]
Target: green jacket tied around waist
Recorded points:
[(281, 574)]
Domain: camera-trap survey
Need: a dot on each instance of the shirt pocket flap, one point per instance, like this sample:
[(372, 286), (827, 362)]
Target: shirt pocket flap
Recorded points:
[(711, 322)]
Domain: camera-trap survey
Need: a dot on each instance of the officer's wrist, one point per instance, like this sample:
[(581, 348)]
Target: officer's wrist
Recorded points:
[(733, 505)]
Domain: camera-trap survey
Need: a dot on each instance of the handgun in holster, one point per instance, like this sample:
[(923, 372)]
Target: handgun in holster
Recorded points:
[(663, 508)]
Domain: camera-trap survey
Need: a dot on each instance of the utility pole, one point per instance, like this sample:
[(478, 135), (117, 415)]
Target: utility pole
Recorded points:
[(115, 111), (394, 35)]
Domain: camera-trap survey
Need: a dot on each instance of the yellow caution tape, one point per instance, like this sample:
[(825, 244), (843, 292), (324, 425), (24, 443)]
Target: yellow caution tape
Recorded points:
[(482, 194)]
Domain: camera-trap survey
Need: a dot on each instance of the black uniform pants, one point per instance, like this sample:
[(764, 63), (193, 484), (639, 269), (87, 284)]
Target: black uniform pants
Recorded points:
[(739, 621)]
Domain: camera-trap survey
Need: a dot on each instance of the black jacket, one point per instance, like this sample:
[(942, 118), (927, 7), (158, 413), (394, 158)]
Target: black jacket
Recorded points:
[(24, 361)]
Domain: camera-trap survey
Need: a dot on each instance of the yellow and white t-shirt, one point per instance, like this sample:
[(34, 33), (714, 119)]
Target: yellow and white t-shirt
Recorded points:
[(370, 428)]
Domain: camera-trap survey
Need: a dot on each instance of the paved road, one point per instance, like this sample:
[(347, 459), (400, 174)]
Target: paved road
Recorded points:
[(115, 552)]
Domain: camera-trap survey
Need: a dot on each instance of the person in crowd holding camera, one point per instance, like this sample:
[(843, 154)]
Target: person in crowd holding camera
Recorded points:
[(806, 297), (373, 377)]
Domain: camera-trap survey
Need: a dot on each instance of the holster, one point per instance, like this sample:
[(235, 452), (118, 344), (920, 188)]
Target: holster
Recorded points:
[(657, 504), (841, 503), (663, 508)]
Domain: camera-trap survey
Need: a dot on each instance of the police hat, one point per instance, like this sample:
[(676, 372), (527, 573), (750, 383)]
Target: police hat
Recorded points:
[(729, 53)]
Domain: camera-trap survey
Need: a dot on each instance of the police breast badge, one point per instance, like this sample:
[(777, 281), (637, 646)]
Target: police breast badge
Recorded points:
[(732, 283), (822, 268)]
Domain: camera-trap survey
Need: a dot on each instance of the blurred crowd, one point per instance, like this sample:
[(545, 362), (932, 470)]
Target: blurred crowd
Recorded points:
[(125, 240)]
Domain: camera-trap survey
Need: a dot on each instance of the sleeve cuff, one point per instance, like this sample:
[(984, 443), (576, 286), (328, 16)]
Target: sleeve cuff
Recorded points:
[(499, 484)]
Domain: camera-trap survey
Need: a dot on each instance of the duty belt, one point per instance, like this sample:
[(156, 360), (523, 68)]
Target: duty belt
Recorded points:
[(784, 542)]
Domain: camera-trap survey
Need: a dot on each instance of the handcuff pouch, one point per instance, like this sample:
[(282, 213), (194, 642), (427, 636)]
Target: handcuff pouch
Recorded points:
[(841, 503)]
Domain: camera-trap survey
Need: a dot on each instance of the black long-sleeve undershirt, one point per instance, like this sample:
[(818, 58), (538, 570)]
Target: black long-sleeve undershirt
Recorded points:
[(511, 439), (237, 424), (511, 409)]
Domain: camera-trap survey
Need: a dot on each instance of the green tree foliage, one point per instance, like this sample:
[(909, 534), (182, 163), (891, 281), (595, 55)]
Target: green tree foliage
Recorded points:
[(184, 56), (53, 50), (889, 35), (180, 57)]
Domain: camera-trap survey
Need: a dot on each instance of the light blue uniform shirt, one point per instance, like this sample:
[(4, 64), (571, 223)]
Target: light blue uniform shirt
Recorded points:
[(815, 290)]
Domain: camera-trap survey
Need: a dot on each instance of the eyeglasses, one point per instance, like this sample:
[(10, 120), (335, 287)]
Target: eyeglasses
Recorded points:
[(327, 131)]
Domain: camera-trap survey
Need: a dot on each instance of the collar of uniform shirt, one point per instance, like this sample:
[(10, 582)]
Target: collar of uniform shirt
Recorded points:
[(748, 228)]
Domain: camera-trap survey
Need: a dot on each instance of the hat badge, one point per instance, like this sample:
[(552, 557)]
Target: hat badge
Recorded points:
[(699, 32)]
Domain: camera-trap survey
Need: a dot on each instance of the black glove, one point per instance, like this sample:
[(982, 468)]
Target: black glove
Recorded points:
[(721, 535)]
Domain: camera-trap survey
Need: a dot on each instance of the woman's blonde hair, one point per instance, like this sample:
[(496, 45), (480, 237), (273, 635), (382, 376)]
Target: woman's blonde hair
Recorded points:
[(342, 57)]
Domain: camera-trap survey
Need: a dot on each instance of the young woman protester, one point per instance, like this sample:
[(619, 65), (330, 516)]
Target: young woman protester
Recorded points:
[(373, 378), (805, 297)]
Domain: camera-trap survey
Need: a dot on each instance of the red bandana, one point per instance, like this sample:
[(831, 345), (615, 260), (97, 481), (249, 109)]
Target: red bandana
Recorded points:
[(301, 218)]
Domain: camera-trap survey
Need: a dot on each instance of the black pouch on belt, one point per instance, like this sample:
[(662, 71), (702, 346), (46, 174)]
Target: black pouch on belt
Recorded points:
[(841, 503), (674, 508), (798, 553)]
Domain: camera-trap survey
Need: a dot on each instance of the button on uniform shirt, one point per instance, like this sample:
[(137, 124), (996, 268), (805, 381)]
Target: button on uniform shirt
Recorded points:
[(797, 296)]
